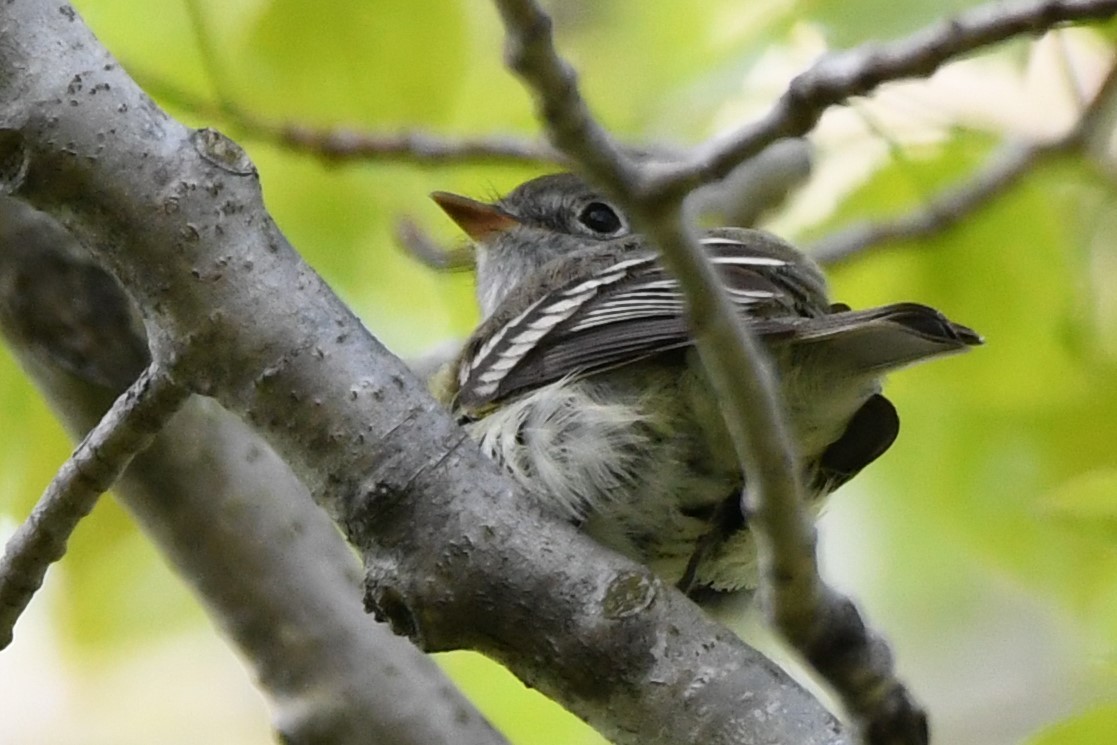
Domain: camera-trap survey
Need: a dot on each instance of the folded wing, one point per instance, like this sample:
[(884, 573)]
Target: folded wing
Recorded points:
[(631, 309)]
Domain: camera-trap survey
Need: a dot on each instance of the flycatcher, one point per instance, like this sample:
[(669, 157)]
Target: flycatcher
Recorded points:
[(583, 380)]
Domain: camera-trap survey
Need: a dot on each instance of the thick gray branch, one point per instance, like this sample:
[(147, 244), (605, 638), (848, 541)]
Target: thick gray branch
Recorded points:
[(228, 514), (454, 555)]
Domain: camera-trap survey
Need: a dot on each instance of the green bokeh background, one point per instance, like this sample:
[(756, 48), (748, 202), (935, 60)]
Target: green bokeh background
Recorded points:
[(984, 544)]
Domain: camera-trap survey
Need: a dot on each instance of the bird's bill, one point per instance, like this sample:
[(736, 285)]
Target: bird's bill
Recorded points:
[(479, 220)]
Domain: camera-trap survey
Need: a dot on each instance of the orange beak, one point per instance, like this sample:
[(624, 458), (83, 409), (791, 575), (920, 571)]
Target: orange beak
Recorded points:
[(478, 219)]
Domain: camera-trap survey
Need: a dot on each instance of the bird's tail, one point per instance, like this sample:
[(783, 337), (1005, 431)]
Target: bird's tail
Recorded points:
[(885, 338)]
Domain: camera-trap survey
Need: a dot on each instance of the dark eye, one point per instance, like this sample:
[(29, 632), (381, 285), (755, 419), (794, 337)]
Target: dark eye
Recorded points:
[(600, 218)]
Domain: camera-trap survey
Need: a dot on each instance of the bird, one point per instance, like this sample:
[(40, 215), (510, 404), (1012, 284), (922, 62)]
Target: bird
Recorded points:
[(583, 381)]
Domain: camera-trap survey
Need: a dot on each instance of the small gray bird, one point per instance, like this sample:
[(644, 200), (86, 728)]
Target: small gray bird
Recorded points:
[(583, 379)]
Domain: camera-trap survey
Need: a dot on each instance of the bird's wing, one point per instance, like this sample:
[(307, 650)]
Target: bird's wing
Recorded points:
[(632, 309), (879, 340)]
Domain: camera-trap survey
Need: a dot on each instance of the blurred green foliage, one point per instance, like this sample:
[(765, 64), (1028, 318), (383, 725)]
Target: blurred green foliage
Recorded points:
[(1095, 727), (1001, 493), (848, 23)]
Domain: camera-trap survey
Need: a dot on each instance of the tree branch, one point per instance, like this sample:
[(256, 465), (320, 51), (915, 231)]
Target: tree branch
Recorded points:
[(1004, 170), (820, 622), (176, 215), (229, 516), (417, 244), (136, 416), (856, 72), (1011, 163), (350, 144)]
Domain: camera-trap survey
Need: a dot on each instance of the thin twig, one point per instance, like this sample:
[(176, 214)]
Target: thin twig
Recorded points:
[(839, 77), (424, 249), (136, 416), (529, 50), (420, 148), (737, 368), (208, 51), (347, 144), (1001, 172), (816, 619)]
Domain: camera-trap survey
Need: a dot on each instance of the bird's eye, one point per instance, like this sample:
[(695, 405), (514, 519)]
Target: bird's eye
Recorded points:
[(600, 218)]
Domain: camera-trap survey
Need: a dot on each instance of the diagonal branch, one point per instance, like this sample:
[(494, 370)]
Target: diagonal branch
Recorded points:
[(228, 515), (529, 50), (820, 622), (839, 77), (417, 244), (1004, 169), (351, 421), (348, 144), (137, 416), (802, 606)]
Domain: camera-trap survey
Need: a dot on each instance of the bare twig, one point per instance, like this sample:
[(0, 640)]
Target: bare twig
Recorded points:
[(1003, 170), (823, 624), (836, 78), (820, 622), (424, 249), (207, 51), (529, 50), (347, 144), (419, 148), (126, 429)]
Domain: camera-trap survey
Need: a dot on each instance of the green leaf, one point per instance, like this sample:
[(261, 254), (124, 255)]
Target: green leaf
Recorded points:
[(1094, 727)]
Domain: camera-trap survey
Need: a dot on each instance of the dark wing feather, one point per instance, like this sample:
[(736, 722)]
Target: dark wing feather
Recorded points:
[(632, 309), (601, 348), (870, 432), (884, 338)]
